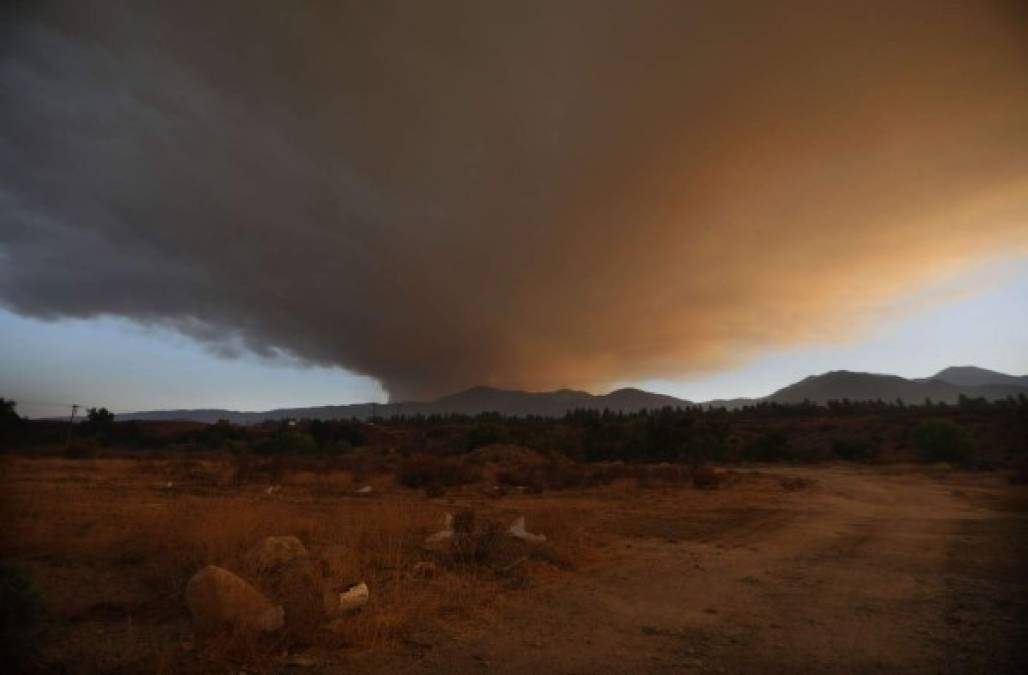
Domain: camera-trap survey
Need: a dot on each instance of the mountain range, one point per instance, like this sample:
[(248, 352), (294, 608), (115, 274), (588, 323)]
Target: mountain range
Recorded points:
[(947, 385)]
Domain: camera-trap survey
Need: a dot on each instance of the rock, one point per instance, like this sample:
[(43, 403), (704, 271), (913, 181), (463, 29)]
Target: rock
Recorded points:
[(443, 536), (365, 491), (343, 600), (274, 552), (424, 570), (518, 531), (299, 585), (218, 599)]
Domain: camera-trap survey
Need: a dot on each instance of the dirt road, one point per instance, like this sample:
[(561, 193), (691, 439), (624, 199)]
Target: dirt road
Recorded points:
[(865, 572)]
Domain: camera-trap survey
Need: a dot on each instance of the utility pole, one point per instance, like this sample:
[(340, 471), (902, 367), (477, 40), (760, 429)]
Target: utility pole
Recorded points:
[(71, 424)]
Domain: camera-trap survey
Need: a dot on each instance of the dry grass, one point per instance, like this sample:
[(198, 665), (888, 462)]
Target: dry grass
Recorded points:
[(110, 543)]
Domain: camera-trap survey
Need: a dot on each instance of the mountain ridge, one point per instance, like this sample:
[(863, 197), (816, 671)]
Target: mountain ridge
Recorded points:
[(945, 386)]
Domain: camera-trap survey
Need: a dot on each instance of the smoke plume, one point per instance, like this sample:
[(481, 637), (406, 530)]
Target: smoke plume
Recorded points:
[(526, 194)]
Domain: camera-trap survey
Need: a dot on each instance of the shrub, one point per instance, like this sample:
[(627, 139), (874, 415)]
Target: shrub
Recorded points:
[(768, 447), (564, 475), (942, 441), (485, 434), (529, 476), (793, 483), (607, 474), (337, 435), (21, 620), (854, 449), (705, 478), (287, 442), (1020, 475), (424, 471), (81, 449), (671, 473)]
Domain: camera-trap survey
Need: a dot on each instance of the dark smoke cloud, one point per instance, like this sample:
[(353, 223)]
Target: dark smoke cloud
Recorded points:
[(545, 194)]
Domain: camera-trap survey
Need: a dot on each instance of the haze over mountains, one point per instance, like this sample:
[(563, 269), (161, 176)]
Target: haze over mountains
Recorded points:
[(945, 386)]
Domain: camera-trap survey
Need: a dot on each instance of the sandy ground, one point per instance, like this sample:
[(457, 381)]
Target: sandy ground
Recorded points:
[(868, 571)]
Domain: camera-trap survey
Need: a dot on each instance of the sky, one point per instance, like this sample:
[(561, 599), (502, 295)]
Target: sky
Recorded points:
[(281, 204)]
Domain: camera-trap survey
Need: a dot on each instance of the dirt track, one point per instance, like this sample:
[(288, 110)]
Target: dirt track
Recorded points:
[(863, 573)]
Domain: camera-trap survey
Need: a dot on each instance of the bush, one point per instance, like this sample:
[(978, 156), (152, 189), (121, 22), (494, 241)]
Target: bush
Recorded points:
[(705, 478), (526, 476), (425, 471), (287, 443), (485, 434), (854, 449), (672, 473), (337, 435), (1020, 474), (21, 620), (768, 447), (81, 449), (942, 441)]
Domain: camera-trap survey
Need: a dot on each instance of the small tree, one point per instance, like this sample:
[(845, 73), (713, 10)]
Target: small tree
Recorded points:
[(10, 422), (9, 418), (100, 417), (99, 422)]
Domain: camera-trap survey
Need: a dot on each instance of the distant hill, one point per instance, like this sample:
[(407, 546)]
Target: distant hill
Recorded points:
[(945, 386), (971, 376), (468, 402), (840, 384)]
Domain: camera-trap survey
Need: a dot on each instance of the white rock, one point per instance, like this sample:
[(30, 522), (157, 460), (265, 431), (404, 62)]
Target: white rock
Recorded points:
[(517, 530), (354, 597), (366, 490)]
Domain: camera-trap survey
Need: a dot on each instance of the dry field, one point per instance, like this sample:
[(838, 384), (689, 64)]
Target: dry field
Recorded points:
[(801, 569)]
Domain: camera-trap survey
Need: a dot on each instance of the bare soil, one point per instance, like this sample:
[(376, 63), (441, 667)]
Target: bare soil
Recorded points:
[(799, 569), (867, 571)]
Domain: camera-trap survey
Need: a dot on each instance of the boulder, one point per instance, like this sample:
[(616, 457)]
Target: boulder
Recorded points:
[(274, 552), (299, 585), (220, 600)]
